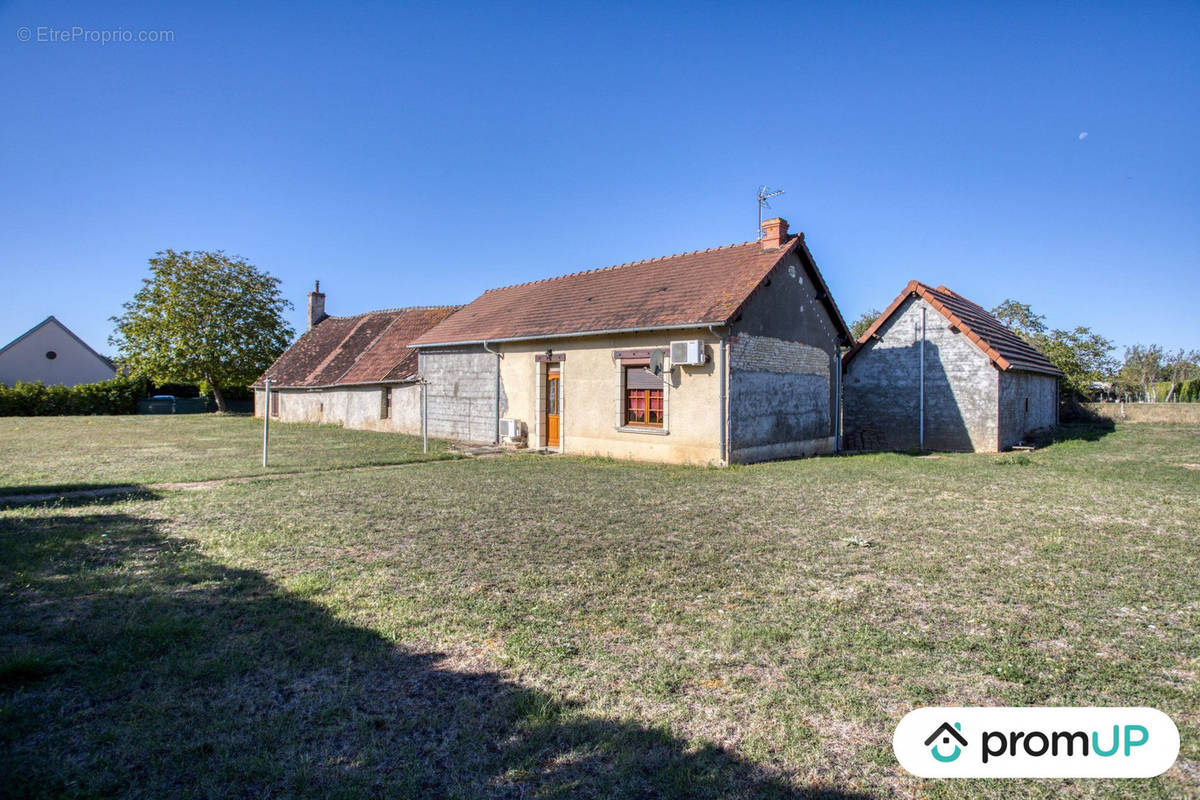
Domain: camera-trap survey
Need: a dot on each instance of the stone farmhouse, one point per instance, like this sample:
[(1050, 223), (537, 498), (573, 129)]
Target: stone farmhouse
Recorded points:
[(353, 371), (938, 372), (716, 356)]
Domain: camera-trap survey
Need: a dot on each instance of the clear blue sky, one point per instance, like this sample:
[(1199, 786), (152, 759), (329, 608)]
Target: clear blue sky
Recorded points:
[(409, 155)]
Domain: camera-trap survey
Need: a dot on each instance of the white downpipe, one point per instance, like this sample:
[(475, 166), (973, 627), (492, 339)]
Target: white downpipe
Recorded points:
[(724, 380), (922, 377)]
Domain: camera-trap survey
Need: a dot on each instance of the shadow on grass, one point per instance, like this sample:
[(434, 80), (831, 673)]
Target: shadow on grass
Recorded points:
[(135, 665), (1086, 431), (80, 495)]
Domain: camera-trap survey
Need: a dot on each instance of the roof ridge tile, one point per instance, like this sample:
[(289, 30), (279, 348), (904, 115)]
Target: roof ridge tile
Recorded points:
[(615, 266)]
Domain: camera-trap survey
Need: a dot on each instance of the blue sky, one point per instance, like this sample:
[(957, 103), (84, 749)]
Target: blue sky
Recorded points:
[(419, 154)]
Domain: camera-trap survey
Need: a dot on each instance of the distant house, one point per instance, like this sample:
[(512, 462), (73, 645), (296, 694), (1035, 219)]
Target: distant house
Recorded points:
[(49, 352), (938, 372), (354, 371), (715, 356)]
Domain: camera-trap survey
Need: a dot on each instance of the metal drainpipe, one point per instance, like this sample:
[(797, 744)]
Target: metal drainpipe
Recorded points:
[(922, 377), (837, 394), (424, 415), (496, 439), (724, 397)]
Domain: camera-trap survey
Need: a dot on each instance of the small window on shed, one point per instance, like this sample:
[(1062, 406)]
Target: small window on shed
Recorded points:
[(385, 403), (1026, 405), (275, 404), (50, 354)]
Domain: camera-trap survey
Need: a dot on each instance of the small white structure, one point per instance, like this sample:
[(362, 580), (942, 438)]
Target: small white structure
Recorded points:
[(49, 352)]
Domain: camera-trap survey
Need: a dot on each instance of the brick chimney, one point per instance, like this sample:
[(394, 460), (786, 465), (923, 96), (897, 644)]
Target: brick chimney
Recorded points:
[(774, 233), (316, 306)]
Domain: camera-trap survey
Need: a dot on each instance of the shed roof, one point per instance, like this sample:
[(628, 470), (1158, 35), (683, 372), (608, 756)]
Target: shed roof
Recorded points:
[(704, 287), (1004, 347), (363, 349)]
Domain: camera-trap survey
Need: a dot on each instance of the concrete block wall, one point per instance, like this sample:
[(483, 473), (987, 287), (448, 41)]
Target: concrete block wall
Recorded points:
[(1028, 402), (881, 388), (461, 386)]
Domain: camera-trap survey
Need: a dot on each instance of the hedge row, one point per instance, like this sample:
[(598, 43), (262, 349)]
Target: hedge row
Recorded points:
[(116, 396), (1188, 391)]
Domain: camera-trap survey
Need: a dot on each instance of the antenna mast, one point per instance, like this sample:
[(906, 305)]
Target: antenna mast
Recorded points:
[(764, 194)]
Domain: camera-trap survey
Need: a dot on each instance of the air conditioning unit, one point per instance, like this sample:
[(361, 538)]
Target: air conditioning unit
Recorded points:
[(687, 353), (510, 428)]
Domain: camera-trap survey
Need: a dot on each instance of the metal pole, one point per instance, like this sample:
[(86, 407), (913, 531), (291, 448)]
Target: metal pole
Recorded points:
[(266, 419), (922, 377), (424, 416)]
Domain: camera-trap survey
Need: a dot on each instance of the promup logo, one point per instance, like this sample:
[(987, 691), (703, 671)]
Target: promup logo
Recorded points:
[(1036, 742), (947, 732)]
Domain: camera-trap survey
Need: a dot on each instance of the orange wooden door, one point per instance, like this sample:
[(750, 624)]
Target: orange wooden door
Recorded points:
[(553, 408)]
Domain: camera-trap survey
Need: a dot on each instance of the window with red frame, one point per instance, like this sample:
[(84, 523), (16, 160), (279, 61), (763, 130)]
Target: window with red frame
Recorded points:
[(643, 398)]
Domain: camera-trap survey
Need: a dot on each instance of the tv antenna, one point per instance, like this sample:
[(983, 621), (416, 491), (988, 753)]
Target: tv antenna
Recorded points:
[(764, 194)]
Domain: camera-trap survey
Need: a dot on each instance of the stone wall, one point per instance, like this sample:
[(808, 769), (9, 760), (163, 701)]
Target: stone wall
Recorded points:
[(782, 357), (882, 396), (1182, 413)]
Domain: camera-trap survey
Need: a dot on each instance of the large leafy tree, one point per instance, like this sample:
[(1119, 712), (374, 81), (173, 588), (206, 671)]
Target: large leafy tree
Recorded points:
[(203, 317), (1083, 355)]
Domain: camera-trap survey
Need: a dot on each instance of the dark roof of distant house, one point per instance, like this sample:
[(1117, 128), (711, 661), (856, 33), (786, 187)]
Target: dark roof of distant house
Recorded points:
[(364, 349), (705, 287), (1005, 348), (55, 321)]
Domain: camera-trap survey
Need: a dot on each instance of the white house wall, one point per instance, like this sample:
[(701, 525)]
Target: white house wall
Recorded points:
[(356, 407), (74, 364)]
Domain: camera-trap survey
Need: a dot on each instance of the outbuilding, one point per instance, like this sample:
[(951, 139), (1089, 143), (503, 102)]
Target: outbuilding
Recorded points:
[(355, 371), (938, 372)]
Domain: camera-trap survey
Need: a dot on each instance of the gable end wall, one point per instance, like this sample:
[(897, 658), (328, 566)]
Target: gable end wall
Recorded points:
[(881, 393), (782, 357)]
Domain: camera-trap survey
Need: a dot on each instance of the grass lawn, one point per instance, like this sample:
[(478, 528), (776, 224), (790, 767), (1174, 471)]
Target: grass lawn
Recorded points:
[(53, 453), (557, 627)]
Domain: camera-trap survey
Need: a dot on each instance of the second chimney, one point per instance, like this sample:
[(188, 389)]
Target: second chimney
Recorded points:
[(774, 233), (316, 306)]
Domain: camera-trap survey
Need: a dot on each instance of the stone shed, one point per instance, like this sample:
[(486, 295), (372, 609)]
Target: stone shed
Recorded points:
[(938, 372)]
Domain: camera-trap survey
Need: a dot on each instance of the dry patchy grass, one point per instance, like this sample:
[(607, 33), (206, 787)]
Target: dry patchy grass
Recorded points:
[(557, 627)]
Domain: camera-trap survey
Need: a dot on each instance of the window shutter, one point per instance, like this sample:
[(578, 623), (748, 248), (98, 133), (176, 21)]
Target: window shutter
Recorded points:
[(641, 378)]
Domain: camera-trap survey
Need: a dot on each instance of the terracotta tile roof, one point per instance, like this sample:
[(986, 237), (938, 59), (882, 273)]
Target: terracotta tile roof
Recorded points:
[(705, 287), (1005, 348), (367, 348)]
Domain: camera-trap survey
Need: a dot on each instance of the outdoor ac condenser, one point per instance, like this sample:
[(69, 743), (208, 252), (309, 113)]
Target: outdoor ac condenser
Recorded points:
[(687, 353), (510, 428)]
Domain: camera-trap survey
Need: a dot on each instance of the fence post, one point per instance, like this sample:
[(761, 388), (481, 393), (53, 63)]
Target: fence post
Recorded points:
[(266, 419)]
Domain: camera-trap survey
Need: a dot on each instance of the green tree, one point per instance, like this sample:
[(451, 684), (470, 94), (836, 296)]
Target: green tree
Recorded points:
[(1083, 355), (1141, 368), (202, 317), (864, 321)]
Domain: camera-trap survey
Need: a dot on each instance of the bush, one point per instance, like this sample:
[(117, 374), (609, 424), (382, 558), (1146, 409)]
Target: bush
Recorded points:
[(116, 396)]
